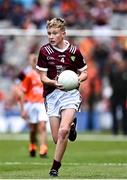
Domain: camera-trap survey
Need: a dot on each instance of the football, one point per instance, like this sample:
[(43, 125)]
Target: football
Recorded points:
[(69, 80)]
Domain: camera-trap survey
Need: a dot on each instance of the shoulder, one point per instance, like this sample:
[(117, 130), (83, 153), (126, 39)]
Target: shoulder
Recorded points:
[(30, 74), (73, 49), (46, 49)]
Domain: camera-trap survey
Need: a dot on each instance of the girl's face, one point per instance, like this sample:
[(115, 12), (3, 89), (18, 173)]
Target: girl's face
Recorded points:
[(55, 36)]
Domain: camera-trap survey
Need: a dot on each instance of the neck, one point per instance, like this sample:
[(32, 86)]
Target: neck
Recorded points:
[(62, 45)]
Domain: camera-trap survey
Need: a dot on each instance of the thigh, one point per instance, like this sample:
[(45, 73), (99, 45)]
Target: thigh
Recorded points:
[(33, 127), (67, 117), (33, 114), (42, 126), (53, 104), (70, 100), (41, 112)]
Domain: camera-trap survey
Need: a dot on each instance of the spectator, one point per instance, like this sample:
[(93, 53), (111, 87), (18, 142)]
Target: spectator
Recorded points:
[(101, 55), (91, 93), (69, 10), (2, 48), (26, 3), (118, 81), (101, 14), (18, 14), (118, 19), (5, 9)]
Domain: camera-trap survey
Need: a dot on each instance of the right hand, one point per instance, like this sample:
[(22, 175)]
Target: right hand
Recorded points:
[(24, 115), (57, 85)]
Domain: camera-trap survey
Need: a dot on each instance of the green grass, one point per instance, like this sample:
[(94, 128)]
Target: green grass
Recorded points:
[(90, 157)]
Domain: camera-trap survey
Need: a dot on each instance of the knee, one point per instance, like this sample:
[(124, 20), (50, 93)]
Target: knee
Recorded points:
[(63, 133), (33, 128), (42, 126)]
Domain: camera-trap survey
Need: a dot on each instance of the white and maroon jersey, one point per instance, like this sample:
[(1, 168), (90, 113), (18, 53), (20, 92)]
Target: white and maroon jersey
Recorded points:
[(54, 60)]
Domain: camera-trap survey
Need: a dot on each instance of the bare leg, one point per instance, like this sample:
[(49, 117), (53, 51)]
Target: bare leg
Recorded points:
[(43, 138), (54, 124), (62, 139), (33, 139), (33, 133), (63, 133)]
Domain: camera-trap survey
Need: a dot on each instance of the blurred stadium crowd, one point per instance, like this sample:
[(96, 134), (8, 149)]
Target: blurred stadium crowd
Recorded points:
[(106, 88)]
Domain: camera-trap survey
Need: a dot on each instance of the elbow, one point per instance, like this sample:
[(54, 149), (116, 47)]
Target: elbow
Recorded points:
[(85, 75)]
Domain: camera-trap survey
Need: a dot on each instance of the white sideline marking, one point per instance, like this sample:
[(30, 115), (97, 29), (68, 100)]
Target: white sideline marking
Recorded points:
[(66, 164)]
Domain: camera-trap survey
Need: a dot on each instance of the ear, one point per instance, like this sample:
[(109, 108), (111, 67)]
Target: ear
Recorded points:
[(64, 33)]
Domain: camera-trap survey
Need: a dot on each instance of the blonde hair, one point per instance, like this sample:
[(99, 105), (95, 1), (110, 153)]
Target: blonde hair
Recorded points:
[(57, 23)]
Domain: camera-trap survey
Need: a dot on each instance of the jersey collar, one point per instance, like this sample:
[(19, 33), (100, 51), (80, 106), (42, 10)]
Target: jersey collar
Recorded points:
[(64, 49)]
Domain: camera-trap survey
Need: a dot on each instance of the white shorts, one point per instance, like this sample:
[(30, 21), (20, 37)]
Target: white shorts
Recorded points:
[(59, 100), (36, 112)]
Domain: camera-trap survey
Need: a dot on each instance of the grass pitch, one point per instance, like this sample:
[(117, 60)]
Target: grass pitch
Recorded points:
[(90, 157)]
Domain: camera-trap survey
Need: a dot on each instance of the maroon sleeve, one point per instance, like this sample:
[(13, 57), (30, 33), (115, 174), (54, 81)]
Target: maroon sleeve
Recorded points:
[(80, 61), (42, 60)]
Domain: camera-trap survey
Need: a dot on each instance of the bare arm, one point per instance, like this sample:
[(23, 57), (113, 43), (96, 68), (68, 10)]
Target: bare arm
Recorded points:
[(83, 76), (21, 104), (48, 81)]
